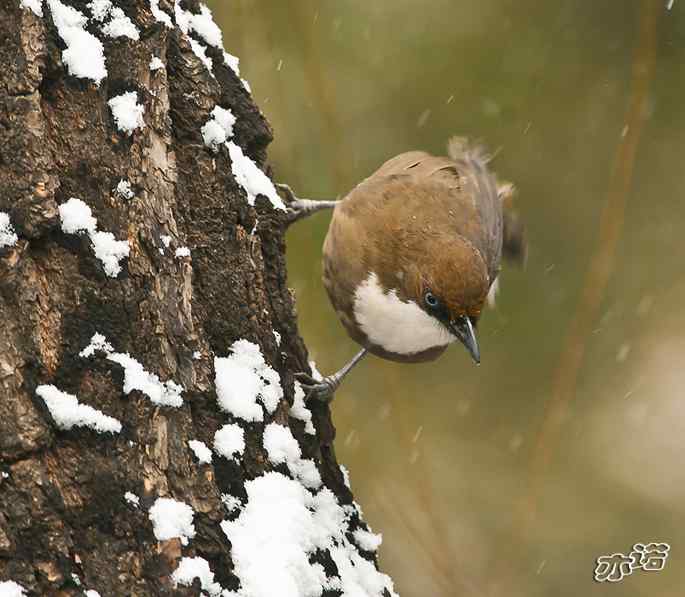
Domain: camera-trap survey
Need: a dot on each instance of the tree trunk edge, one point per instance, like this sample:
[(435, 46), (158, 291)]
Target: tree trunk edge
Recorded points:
[(63, 519)]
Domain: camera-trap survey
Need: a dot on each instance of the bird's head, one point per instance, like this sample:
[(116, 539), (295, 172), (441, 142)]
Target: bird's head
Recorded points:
[(450, 282)]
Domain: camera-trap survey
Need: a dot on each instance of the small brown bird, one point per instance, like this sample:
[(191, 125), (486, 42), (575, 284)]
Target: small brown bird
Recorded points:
[(412, 253)]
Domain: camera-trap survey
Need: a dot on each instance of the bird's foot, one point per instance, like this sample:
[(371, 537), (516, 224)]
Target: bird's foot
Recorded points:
[(322, 389), (297, 208)]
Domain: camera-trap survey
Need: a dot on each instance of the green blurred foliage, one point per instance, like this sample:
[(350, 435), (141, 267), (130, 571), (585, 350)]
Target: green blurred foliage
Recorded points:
[(440, 453)]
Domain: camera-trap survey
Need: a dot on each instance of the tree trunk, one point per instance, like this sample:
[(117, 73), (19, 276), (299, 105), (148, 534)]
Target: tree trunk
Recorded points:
[(69, 521)]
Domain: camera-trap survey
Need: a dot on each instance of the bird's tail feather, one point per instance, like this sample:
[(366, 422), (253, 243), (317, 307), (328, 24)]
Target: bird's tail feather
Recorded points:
[(514, 243), (476, 158), (461, 149)]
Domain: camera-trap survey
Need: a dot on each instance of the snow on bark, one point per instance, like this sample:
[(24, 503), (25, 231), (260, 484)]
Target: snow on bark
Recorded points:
[(229, 441), (280, 528), (251, 178), (127, 112), (165, 393), (77, 217), (7, 235), (67, 412), (84, 56), (171, 518), (244, 379)]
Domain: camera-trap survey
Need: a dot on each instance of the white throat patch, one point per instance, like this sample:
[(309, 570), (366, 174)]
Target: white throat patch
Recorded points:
[(396, 326)]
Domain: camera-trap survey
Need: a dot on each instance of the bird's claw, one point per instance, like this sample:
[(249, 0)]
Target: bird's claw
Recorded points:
[(294, 206), (298, 208), (288, 193), (318, 389)]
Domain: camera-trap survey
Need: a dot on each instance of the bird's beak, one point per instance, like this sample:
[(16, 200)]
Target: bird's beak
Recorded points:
[(462, 328)]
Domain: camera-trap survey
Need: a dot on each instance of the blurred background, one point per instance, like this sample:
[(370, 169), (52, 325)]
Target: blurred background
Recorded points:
[(568, 442)]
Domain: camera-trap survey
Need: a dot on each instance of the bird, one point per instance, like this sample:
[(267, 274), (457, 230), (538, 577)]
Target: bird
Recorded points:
[(412, 255)]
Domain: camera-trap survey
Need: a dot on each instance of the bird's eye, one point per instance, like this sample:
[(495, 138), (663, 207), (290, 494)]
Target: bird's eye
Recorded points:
[(431, 299)]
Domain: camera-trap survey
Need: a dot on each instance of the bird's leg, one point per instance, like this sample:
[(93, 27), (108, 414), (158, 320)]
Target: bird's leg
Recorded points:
[(323, 389), (301, 208)]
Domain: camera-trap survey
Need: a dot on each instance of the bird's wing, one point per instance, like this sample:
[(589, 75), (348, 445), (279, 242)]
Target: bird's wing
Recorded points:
[(400, 163), (472, 165), (468, 186)]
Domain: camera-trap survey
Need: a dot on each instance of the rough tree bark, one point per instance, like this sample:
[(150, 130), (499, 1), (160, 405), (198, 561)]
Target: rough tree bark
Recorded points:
[(63, 517)]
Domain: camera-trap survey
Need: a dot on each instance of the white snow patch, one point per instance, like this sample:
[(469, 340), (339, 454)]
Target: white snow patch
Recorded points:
[(231, 502), (191, 568), (213, 134), (197, 355), (120, 26), (229, 441), (110, 251), (219, 128), (170, 519), (346, 476), (100, 9), (300, 411), (277, 337), (159, 14), (316, 374), (77, 217), (201, 52), (367, 540), (9, 588), (204, 25), (353, 509), (233, 62), (251, 178), (184, 21), (182, 17), (132, 498), (124, 189), (68, 412), (201, 451), (98, 343), (165, 393), (166, 240), (182, 252), (280, 444), (84, 56), (305, 470), (127, 112), (243, 378), (282, 448), (156, 63), (34, 5), (92, 593), (280, 527), (225, 118), (8, 237)]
